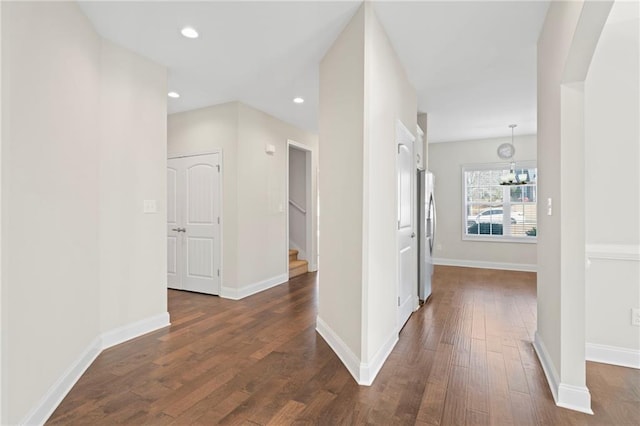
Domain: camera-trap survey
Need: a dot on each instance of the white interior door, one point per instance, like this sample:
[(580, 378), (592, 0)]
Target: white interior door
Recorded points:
[(407, 246), (193, 190)]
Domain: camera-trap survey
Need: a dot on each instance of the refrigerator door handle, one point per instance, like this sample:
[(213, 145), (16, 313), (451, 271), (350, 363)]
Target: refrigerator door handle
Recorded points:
[(432, 214)]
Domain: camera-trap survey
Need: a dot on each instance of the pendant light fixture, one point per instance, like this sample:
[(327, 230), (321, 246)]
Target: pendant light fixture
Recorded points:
[(508, 151)]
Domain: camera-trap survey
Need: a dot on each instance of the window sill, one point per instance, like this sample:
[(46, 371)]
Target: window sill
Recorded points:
[(500, 239)]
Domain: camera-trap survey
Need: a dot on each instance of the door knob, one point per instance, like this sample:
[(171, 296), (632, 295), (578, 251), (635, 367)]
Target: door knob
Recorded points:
[(180, 229), (413, 235)]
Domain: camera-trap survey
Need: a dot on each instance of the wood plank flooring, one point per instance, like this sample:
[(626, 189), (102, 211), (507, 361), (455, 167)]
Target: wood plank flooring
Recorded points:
[(463, 358)]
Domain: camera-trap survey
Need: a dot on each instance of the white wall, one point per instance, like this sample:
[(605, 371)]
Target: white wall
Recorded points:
[(363, 92), (55, 157), (262, 197), (389, 97), (254, 187), (340, 121), (446, 161), (297, 194), (132, 167), (612, 202), (565, 48), (51, 59)]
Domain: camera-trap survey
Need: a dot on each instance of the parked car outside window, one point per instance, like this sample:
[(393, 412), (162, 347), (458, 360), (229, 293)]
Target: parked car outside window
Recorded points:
[(494, 215)]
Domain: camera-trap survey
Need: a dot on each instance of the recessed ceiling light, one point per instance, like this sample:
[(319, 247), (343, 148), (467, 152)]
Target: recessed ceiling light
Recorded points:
[(298, 100), (189, 32), (173, 94)]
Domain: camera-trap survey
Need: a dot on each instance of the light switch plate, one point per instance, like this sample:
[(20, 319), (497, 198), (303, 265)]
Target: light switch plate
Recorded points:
[(150, 206)]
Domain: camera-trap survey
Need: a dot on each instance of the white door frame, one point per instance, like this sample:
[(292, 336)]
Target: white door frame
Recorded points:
[(310, 248), (220, 198)]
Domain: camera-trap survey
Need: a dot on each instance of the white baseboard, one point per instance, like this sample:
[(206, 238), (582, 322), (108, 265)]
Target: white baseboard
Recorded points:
[(575, 398), (613, 355), (547, 366), (135, 329), (56, 393), (346, 355), (241, 293), (363, 373), (523, 267), (39, 414), (369, 371)]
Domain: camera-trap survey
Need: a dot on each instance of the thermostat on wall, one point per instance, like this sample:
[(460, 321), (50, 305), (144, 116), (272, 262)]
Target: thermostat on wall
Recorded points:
[(270, 149)]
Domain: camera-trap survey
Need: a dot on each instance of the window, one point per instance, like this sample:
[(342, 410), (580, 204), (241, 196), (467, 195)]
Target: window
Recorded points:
[(497, 212)]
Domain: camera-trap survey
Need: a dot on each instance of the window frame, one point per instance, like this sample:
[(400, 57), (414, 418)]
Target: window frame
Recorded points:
[(506, 199)]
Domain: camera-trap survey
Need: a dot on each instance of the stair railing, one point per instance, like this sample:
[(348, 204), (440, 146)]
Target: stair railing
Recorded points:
[(297, 206)]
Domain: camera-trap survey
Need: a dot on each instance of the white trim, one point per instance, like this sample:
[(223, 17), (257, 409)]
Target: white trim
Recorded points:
[(363, 373), (575, 398), (614, 251), (251, 289), (369, 371), (547, 366), (39, 414), (133, 330), (346, 355), (194, 154), (523, 267), (486, 238), (613, 355)]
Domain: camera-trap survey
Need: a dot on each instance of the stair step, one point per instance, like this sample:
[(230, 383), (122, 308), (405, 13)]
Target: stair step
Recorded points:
[(298, 267), (293, 254)]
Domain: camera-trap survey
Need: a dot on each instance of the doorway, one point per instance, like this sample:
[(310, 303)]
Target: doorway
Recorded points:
[(193, 223), (300, 209)]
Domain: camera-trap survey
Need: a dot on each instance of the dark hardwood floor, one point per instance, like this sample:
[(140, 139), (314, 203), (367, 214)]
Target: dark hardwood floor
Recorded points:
[(463, 358)]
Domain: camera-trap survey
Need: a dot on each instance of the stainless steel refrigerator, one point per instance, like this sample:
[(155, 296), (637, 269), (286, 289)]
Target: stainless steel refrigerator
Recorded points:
[(426, 231)]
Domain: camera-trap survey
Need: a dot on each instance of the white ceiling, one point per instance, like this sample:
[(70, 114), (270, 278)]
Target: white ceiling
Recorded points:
[(472, 63)]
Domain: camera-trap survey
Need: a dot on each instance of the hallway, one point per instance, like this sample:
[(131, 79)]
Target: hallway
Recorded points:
[(465, 358)]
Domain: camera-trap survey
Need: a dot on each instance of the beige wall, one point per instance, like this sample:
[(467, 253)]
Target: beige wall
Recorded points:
[(565, 49), (389, 97), (50, 166), (612, 202), (341, 118), (363, 93), (132, 168), (58, 169), (446, 161), (254, 193), (262, 194), (553, 48)]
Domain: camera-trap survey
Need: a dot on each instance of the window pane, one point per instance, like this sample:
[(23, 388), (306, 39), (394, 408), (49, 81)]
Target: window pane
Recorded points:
[(486, 204)]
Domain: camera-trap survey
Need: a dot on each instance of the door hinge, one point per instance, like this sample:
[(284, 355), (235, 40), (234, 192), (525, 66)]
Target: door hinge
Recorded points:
[(218, 220), (219, 274), (399, 148), (218, 166), (398, 300), (398, 224)]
